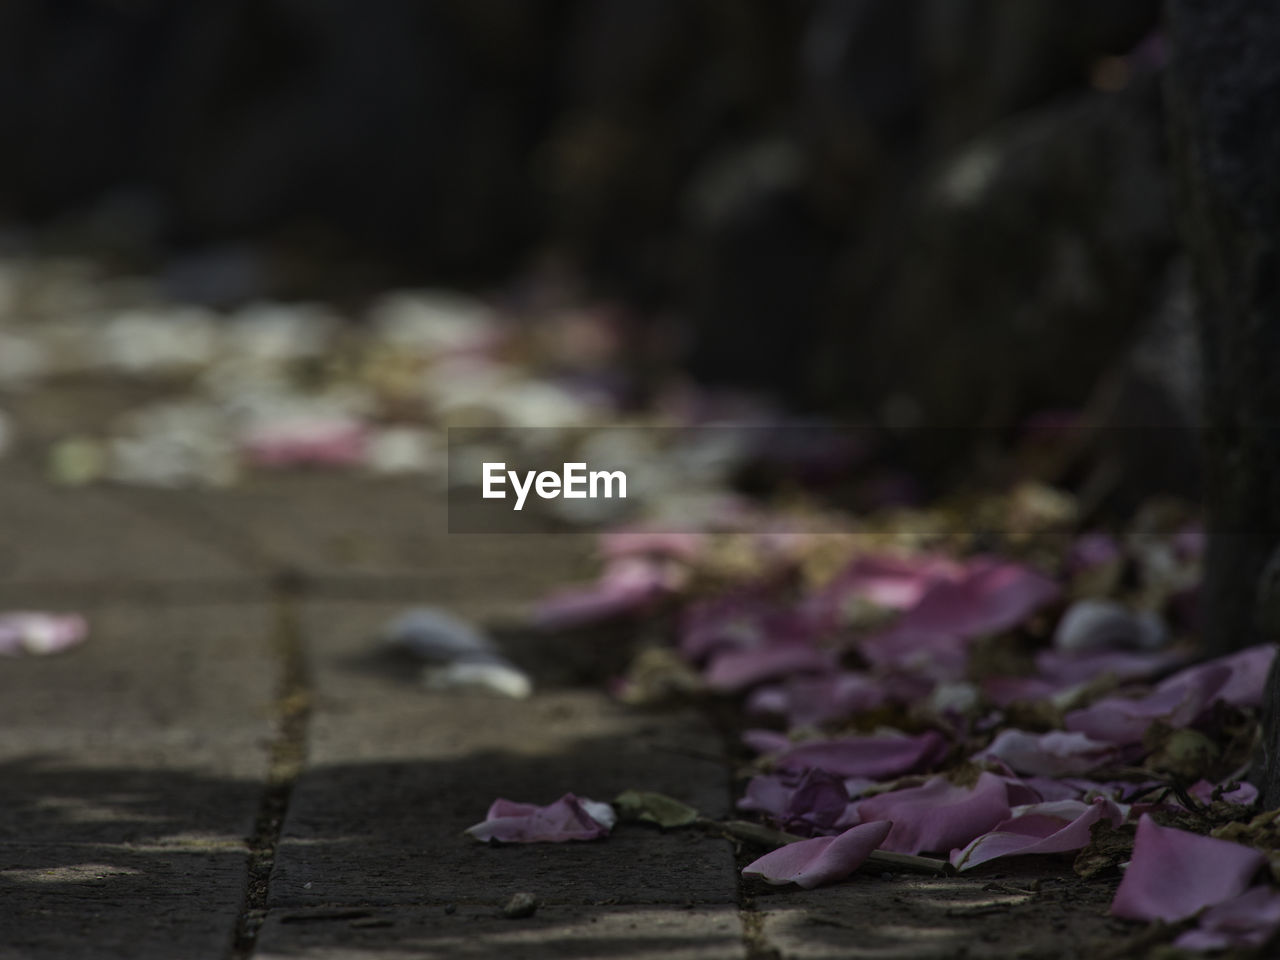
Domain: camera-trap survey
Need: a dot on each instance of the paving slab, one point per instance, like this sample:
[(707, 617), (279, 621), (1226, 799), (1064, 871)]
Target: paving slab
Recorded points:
[(347, 524), (397, 773), (1019, 909), (66, 537), (132, 772), (554, 932)]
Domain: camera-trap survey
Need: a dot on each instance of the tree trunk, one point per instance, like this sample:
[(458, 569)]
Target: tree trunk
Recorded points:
[(1224, 109)]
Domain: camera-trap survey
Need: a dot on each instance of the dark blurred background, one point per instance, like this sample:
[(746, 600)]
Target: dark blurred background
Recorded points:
[(927, 212)]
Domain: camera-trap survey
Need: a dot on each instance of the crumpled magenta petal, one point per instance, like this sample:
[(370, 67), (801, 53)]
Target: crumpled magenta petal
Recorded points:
[(1245, 793), (1248, 678), (812, 799), (739, 619), (938, 816), (809, 863), (810, 700), (1247, 921), (896, 583), (627, 584), (1048, 754), (1052, 827), (992, 596), (871, 756), (1177, 701), (569, 818), (677, 544), (37, 633), (1069, 668), (1173, 873), (735, 670)]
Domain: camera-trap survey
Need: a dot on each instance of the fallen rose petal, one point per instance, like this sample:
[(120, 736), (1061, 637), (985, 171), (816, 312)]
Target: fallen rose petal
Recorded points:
[(1249, 667), (569, 818), (895, 583), (1065, 668), (1048, 754), (306, 440), (812, 799), (992, 596), (1051, 827), (871, 756), (810, 701), (675, 544), (37, 633), (735, 670), (939, 815), (626, 585), (1244, 793), (1176, 702), (1173, 874), (1249, 920), (766, 741), (809, 863), (740, 620)]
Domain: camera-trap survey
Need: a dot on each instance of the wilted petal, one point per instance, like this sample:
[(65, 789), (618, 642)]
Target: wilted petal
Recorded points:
[(1048, 754), (808, 701), (735, 670), (1065, 668), (766, 741), (939, 815), (808, 863), (1248, 678), (1177, 701), (1174, 873), (569, 818), (674, 544), (1244, 793), (992, 596), (1051, 827), (872, 756), (1249, 920), (626, 585), (741, 619), (37, 633)]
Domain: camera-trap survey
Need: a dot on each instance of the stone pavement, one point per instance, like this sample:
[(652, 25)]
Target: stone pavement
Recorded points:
[(229, 769)]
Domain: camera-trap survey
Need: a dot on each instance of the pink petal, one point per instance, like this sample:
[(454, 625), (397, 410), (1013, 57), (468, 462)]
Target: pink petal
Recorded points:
[(626, 585), (1247, 921), (812, 799), (1052, 827), (675, 545), (874, 756), (1177, 701), (809, 701), (1124, 665), (896, 583), (1048, 754), (741, 619), (735, 670), (37, 633), (1245, 793), (939, 815), (808, 863), (766, 741), (1248, 677), (296, 441), (1173, 873), (569, 818), (991, 597)]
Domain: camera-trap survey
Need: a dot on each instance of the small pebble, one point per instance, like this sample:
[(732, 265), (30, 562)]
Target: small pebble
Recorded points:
[(520, 905), (451, 908)]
